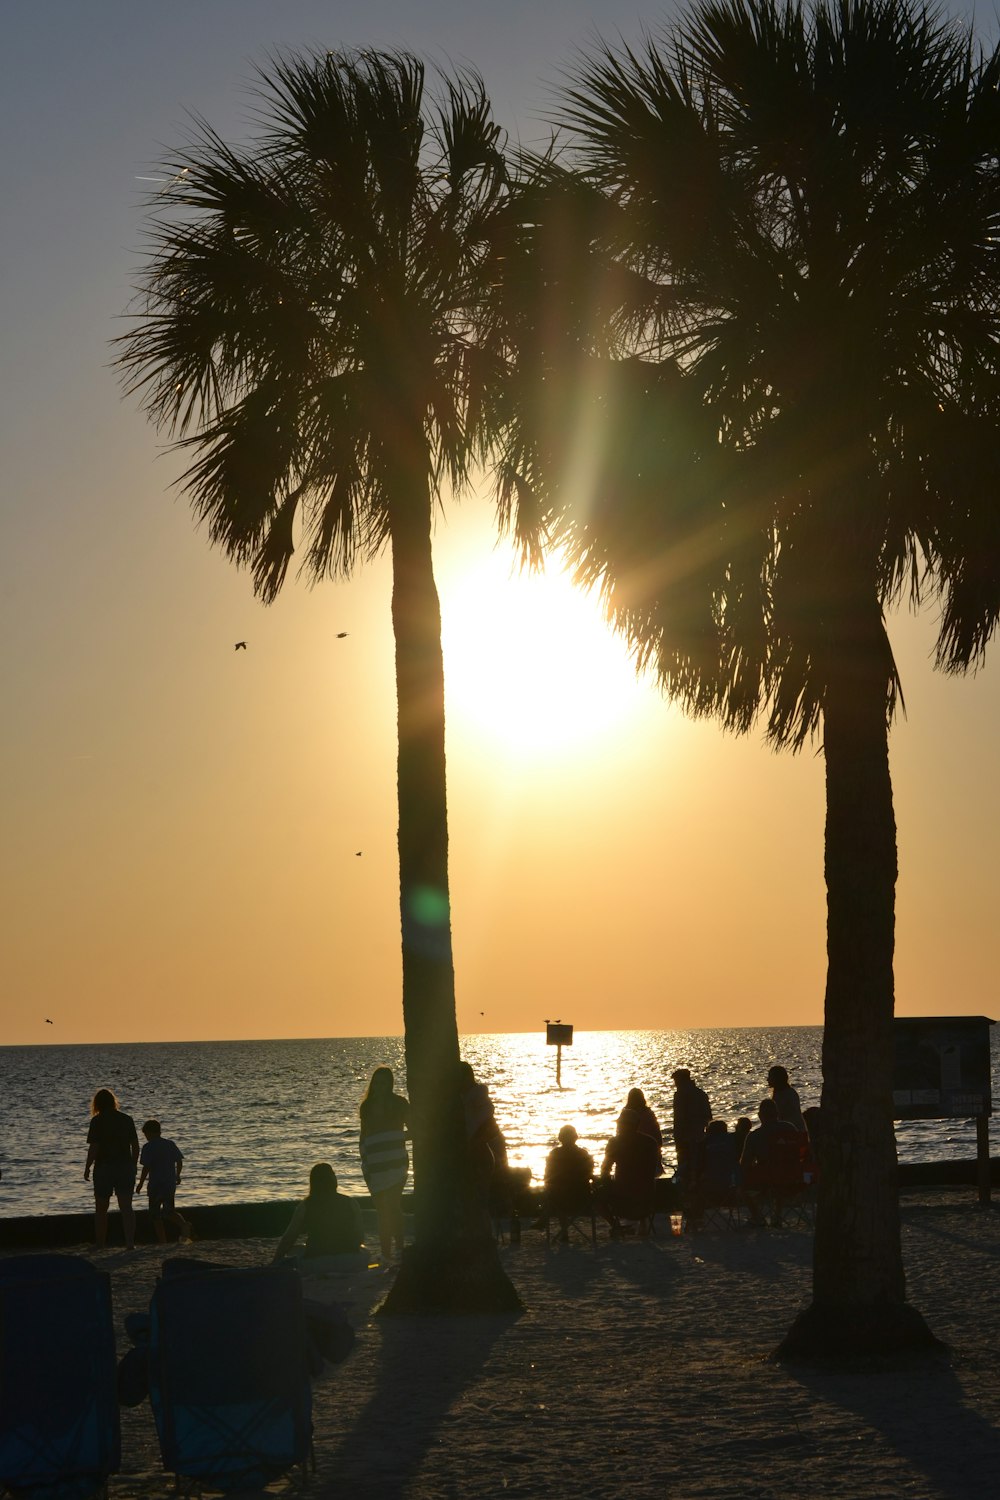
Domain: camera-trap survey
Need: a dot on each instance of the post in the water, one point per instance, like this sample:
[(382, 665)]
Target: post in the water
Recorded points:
[(558, 1035)]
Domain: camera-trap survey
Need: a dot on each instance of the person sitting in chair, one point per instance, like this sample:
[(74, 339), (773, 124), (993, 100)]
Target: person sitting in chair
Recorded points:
[(717, 1172), (568, 1171), (628, 1173), (771, 1162)]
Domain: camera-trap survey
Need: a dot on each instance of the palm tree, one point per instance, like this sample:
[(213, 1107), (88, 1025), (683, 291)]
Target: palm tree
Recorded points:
[(786, 324), (306, 333)]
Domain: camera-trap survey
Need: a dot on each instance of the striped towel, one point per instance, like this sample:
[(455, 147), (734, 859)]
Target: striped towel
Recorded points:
[(384, 1161)]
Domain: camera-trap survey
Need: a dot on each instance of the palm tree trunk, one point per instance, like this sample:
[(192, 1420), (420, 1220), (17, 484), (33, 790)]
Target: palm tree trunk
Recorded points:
[(453, 1265), (858, 1283), (425, 917)]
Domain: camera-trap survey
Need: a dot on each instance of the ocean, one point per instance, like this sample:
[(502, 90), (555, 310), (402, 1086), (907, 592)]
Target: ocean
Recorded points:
[(252, 1117)]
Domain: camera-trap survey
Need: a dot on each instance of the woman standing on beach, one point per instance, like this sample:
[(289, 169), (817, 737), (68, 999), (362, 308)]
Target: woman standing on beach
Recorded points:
[(648, 1123), (112, 1154), (384, 1162)]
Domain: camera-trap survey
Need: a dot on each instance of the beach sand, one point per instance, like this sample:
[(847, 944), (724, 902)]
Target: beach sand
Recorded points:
[(637, 1370)]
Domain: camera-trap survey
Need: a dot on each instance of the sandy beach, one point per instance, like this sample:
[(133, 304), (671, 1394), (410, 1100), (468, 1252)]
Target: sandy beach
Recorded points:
[(637, 1370)]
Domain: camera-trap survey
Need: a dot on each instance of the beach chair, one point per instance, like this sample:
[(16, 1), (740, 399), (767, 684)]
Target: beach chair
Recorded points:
[(229, 1376), (713, 1205), (778, 1183), (59, 1428), (629, 1211), (508, 1196), (578, 1207)]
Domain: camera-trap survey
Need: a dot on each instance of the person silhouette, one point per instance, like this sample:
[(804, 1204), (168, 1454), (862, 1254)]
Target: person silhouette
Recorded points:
[(568, 1172), (628, 1173), (785, 1098), (692, 1113), (329, 1219), (385, 1119), (112, 1154)]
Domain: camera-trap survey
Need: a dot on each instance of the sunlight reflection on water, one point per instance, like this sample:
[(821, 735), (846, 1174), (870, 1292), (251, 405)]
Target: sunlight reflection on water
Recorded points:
[(252, 1117)]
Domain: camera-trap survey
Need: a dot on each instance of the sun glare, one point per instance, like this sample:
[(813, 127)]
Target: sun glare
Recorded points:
[(531, 667)]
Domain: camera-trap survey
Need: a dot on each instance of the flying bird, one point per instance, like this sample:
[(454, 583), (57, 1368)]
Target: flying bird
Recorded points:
[(357, 854), (240, 646), (342, 635), (48, 1022)]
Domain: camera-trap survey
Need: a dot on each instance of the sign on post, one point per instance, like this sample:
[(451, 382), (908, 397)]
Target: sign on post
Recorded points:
[(558, 1035)]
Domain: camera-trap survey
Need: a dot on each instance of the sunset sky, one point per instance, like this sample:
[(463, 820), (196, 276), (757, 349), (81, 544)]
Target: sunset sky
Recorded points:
[(181, 822)]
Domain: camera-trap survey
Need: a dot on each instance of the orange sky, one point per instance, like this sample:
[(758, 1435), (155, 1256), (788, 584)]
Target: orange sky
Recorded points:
[(180, 822)]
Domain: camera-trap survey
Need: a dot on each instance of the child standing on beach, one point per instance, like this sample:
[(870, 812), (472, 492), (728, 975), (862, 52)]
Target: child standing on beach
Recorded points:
[(161, 1162)]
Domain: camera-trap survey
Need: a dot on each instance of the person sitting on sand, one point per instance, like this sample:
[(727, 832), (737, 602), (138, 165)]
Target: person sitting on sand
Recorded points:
[(786, 1100), (628, 1173), (161, 1161), (112, 1154), (330, 1221), (568, 1172)]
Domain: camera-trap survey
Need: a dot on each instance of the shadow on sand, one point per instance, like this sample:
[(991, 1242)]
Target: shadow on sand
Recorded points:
[(920, 1410), (424, 1365)]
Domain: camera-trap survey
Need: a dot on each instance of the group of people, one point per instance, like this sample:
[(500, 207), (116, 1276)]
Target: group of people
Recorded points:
[(331, 1222), (327, 1220), (113, 1158), (710, 1157)]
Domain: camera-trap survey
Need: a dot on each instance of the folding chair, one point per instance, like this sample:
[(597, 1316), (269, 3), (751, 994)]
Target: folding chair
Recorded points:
[(229, 1377), (573, 1205), (712, 1206), (784, 1196), (59, 1428), (636, 1209), (507, 1199), (794, 1207)]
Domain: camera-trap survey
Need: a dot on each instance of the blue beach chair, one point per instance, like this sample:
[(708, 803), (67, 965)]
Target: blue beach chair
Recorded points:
[(228, 1376), (59, 1430)]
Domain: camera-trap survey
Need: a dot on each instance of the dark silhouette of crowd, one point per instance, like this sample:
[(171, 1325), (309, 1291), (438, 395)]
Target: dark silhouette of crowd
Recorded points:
[(756, 1167)]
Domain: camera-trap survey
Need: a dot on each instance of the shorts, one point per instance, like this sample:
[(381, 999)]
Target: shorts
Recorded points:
[(114, 1179), (161, 1201)]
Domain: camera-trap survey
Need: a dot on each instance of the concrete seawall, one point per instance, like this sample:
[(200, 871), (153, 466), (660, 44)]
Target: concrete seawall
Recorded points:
[(223, 1221)]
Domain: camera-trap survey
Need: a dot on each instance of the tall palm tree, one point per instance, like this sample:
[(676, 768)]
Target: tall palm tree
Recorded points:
[(306, 333), (786, 325)]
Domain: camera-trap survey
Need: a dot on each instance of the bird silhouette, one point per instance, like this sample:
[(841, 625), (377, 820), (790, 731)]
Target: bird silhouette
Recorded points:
[(240, 646), (357, 854), (48, 1022), (342, 635)]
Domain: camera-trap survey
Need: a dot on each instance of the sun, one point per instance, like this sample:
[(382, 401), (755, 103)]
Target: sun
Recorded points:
[(531, 666)]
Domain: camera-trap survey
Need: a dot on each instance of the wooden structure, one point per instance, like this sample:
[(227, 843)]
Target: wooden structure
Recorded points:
[(942, 1072)]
